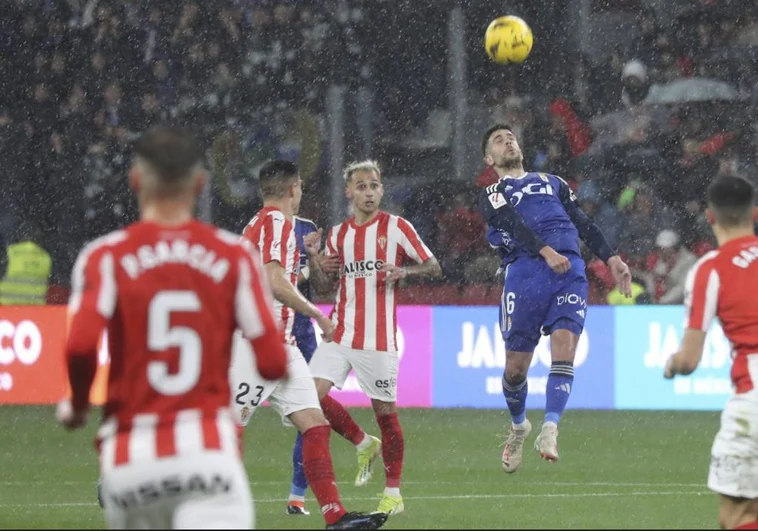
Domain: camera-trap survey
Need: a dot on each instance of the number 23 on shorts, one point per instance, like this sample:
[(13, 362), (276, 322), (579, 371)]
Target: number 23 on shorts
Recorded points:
[(244, 390)]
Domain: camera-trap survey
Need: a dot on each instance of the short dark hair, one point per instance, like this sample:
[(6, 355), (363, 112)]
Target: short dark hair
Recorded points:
[(731, 199), (488, 134), (172, 152), (275, 176)]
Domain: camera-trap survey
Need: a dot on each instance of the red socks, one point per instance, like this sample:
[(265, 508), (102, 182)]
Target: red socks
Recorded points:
[(393, 446), (749, 525), (317, 462), (341, 420)]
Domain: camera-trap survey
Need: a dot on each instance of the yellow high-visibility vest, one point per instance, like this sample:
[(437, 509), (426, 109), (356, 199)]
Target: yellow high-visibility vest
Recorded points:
[(26, 279), (615, 297)]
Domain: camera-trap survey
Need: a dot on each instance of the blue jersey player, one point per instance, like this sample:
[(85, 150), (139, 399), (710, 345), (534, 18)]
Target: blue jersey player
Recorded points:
[(535, 224), (305, 336)]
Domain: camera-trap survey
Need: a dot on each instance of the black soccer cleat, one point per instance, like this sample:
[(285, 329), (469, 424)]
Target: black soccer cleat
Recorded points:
[(359, 521), (100, 493)]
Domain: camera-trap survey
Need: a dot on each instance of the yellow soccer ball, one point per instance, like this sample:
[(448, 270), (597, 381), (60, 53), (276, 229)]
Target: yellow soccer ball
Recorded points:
[(508, 40)]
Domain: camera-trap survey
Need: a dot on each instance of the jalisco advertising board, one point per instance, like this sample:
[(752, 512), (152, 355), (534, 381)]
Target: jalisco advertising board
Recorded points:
[(469, 358), (645, 337), (451, 357)]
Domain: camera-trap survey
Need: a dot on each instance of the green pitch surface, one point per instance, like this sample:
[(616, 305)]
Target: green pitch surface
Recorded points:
[(617, 470)]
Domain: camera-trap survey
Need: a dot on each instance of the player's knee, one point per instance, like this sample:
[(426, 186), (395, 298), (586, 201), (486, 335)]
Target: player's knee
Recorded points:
[(322, 387), (383, 408), (736, 512), (515, 374), (306, 419), (563, 345)]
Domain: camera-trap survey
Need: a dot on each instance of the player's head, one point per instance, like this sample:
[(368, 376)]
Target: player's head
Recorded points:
[(500, 147), (167, 164), (363, 186), (731, 203), (280, 181)]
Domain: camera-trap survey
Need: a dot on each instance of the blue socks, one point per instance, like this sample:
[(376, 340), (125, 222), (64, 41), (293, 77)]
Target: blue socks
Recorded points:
[(299, 482), (559, 383), (515, 397)]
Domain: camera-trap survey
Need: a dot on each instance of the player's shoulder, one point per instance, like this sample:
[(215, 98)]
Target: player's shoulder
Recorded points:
[(305, 223), (107, 242), (704, 265)]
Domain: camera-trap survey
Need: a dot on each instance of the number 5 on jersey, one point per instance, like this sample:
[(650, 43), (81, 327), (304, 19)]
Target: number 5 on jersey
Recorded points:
[(162, 336)]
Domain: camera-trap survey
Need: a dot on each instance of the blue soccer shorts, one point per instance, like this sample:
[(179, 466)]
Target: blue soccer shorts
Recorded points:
[(538, 301)]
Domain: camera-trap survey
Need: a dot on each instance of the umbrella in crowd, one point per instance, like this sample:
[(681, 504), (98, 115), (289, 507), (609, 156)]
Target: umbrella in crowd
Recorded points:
[(690, 90)]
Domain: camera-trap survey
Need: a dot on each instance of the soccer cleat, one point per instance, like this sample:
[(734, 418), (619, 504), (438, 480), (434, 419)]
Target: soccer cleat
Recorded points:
[(390, 505), (359, 521), (297, 508), (547, 442), (513, 453), (366, 460)]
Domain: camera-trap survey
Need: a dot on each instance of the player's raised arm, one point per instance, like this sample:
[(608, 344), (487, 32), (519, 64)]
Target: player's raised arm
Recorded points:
[(499, 213), (92, 304), (254, 315), (591, 234)]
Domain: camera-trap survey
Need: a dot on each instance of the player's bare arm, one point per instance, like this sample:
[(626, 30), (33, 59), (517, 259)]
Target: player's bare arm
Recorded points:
[(500, 213), (290, 296), (686, 360), (429, 269)]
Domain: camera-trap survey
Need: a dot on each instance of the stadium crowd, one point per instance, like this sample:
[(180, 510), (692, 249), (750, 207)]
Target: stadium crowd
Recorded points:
[(637, 149)]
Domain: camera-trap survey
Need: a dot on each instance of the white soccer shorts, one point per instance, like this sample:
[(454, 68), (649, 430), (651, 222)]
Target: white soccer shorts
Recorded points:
[(734, 456), (376, 371), (196, 490), (250, 390)]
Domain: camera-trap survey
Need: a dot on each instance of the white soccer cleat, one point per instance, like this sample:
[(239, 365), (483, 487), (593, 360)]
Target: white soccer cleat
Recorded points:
[(547, 442), (513, 453)]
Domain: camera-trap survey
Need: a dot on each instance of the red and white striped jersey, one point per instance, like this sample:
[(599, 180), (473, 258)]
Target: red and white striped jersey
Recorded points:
[(170, 300), (364, 310), (274, 236), (724, 284)]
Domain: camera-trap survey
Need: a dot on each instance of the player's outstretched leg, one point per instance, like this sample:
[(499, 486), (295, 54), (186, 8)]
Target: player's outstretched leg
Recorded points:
[(393, 449), (369, 448), (296, 501), (317, 463), (559, 384), (515, 391)]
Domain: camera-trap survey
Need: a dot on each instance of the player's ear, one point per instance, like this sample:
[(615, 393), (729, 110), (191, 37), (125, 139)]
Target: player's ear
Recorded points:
[(201, 179), (488, 160), (710, 217), (135, 180)]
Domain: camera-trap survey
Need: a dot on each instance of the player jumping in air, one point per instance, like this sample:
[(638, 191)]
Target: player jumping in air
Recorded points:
[(724, 284), (372, 247), (170, 291), (271, 231), (309, 243), (535, 224)]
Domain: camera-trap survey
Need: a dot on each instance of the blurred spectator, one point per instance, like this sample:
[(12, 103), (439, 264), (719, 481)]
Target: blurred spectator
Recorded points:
[(460, 233), (601, 211), (635, 83), (669, 264), (643, 218)]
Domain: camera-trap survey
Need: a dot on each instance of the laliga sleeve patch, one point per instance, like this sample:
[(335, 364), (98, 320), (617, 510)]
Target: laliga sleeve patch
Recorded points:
[(496, 199)]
